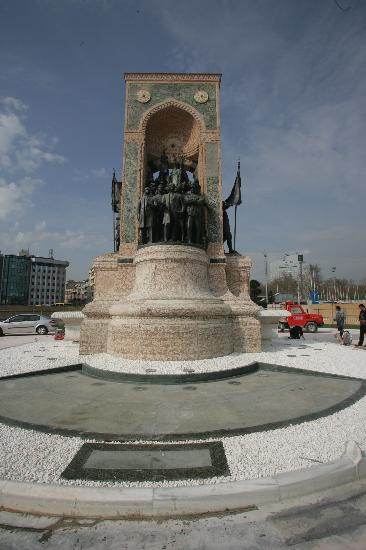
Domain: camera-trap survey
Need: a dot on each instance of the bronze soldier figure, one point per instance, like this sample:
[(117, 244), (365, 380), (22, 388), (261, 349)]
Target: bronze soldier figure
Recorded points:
[(146, 216), (194, 208)]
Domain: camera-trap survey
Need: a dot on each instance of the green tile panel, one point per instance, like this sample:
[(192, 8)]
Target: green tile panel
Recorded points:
[(213, 194), (129, 190), (180, 91)]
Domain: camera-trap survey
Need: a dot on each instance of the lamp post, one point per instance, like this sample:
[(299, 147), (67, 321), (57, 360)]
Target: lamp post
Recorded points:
[(300, 259), (300, 280), (334, 282), (288, 270), (266, 274)]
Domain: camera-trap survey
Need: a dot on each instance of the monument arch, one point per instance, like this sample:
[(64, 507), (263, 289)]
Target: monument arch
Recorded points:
[(155, 299)]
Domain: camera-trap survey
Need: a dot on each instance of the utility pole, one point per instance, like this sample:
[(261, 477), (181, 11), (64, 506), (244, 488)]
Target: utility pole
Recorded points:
[(300, 259), (334, 282), (266, 273)]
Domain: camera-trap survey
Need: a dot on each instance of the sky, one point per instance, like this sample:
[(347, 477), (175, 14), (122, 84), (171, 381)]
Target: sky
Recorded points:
[(293, 108)]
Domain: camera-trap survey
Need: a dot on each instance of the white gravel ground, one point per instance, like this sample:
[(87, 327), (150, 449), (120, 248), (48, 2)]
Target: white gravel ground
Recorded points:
[(32, 456), (39, 355)]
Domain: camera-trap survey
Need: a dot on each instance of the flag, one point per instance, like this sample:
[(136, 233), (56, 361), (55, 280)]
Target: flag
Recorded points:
[(116, 190), (234, 199)]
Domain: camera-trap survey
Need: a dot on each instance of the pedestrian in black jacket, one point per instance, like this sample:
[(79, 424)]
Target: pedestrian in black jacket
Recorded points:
[(362, 319)]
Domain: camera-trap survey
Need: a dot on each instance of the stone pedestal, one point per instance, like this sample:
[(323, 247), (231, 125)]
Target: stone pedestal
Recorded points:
[(71, 321), (114, 278), (246, 326), (238, 274), (171, 313), (170, 302)]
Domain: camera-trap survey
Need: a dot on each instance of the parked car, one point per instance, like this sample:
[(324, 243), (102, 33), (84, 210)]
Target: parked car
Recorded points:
[(26, 323)]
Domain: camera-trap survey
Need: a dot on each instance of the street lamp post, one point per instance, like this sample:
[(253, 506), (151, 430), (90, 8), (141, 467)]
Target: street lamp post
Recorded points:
[(300, 280), (300, 259), (266, 274), (334, 282)]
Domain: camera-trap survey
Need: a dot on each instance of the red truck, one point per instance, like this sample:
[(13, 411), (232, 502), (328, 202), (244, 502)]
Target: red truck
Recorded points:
[(300, 318)]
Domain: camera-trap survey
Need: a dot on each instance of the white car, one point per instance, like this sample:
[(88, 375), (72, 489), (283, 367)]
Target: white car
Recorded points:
[(27, 323)]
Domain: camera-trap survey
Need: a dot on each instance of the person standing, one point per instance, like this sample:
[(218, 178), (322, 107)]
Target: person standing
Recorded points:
[(340, 319), (362, 319)]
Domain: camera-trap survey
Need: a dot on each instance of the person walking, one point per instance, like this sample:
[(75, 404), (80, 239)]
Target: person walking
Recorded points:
[(362, 319), (340, 319)]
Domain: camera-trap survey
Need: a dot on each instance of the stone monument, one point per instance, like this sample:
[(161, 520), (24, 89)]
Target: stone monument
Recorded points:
[(169, 292)]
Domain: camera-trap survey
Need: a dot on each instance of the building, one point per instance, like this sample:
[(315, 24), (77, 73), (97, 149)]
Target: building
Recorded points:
[(15, 277), (47, 280), (28, 279), (77, 292)]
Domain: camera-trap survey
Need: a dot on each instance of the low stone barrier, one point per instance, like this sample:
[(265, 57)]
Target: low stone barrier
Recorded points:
[(71, 321), (269, 322), (145, 502)]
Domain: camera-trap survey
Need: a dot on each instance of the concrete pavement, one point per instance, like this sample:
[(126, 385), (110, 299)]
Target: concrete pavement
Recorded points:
[(332, 520)]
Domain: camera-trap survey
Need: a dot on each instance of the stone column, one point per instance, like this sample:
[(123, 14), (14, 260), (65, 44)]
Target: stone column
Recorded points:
[(114, 277), (246, 326), (238, 274)]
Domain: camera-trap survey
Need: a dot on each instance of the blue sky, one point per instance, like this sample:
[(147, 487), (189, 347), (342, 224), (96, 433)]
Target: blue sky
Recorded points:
[(293, 107)]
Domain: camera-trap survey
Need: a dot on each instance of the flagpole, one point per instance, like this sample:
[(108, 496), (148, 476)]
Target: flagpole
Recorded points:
[(235, 228), (234, 199), (113, 209)]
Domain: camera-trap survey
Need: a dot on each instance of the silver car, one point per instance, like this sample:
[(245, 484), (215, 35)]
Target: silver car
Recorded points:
[(26, 323)]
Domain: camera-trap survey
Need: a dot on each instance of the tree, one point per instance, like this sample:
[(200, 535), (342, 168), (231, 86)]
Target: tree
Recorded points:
[(285, 284), (255, 291)]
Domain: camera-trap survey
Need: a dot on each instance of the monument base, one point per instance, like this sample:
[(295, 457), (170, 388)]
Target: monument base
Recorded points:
[(171, 303), (246, 326), (171, 313), (114, 278)]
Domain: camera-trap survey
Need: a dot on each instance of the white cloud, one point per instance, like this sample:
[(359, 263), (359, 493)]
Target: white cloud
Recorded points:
[(30, 157), (10, 197), (11, 129), (14, 197), (22, 153), (41, 238), (99, 172), (14, 103), (20, 150)]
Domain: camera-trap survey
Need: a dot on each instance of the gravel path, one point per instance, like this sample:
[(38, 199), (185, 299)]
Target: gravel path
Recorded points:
[(39, 355), (32, 456)]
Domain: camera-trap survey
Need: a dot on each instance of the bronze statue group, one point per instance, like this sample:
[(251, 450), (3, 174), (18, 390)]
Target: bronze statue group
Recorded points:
[(172, 208)]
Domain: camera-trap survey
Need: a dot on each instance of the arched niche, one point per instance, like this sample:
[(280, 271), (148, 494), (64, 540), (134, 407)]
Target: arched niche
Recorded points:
[(175, 130)]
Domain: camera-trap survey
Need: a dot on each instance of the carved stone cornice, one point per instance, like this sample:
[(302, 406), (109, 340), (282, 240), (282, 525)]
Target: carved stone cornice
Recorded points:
[(172, 77)]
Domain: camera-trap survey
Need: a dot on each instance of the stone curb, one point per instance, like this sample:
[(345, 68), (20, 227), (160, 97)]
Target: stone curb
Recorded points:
[(131, 502), (177, 378)]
